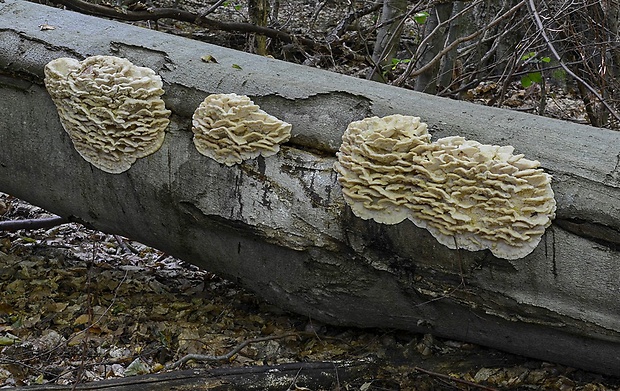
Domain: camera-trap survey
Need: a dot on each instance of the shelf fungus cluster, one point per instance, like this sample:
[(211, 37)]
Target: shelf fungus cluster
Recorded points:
[(230, 128), (466, 194), (111, 109)]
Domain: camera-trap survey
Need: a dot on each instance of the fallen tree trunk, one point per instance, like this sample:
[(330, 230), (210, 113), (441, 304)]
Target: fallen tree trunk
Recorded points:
[(317, 375), (279, 225)]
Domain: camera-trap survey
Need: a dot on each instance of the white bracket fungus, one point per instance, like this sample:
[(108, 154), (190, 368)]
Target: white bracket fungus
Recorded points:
[(466, 194), (111, 109), (230, 128)]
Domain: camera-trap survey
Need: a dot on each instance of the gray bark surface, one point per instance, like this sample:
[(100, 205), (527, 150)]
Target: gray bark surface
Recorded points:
[(279, 225)]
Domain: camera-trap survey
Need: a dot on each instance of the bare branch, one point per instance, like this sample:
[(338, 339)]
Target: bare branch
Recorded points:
[(450, 378), (230, 354), (409, 72), (557, 56), (422, 45), (212, 8), (125, 245), (47, 222), (335, 34), (184, 16)]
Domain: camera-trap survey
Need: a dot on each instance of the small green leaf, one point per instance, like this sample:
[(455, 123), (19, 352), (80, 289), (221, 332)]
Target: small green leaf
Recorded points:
[(531, 78), (545, 59), (420, 17), (397, 61), (236, 66), (526, 81), (527, 56), (536, 77)]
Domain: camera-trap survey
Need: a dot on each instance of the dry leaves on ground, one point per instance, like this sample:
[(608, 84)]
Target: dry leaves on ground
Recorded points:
[(75, 305)]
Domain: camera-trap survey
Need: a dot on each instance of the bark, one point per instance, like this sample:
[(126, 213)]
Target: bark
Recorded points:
[(388, 37), (450, 71), (428, 80), (279, 225), (258, 11)]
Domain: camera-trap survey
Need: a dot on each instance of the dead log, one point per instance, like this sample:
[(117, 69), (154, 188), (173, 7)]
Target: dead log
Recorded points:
[(45, 222), (279, 225), (316, 375)]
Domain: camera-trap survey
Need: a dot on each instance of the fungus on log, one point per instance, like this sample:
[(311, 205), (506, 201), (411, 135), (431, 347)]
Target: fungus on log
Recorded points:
[(111, 109), (466, 194), (230, 128), (369, 168)]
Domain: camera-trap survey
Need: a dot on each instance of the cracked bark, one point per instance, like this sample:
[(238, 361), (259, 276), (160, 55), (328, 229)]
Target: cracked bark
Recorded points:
[(279, 225)]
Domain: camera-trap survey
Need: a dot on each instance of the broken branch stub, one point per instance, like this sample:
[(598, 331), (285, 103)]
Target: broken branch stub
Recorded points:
[(466, 194), (111, 109)]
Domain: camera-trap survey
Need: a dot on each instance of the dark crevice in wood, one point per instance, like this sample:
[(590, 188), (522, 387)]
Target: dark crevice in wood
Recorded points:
[(601, 234)]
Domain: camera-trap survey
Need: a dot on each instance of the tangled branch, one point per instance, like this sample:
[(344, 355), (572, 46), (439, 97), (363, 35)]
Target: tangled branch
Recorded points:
[(183, 16), (409, 72), (543, 33)]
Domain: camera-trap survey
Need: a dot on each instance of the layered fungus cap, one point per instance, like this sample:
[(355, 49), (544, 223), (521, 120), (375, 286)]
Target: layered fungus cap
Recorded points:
[(111, 109), (466, 194), (230, 128)]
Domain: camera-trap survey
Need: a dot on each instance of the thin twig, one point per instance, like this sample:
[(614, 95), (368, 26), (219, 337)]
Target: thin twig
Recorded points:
[(294, 382), (89, 311), (450, 378), (541, 29), (212, 8), (230, 354), (46, 222), (125, 245), (401, 18), (21, 363)]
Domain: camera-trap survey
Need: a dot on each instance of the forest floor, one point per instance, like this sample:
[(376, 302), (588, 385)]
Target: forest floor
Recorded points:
[(78, 305)]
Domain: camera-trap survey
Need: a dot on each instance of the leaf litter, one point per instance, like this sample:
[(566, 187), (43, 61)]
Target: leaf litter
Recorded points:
[(77, 306)]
